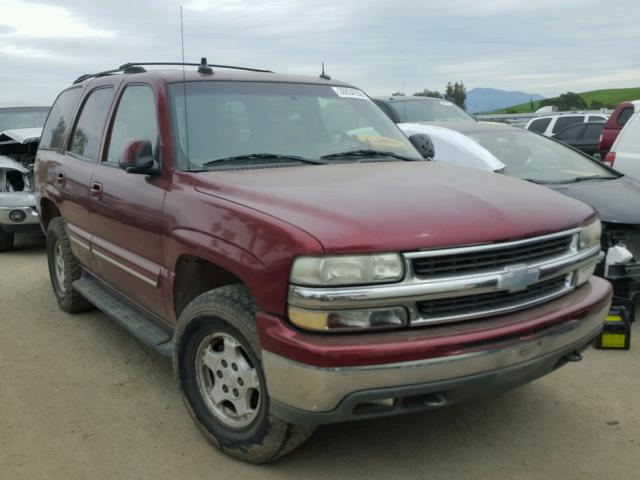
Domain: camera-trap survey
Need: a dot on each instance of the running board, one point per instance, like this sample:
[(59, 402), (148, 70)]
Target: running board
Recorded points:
[(126, 315)]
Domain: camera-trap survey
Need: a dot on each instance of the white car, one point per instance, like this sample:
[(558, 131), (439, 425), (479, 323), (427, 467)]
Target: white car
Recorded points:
[(624, 155), (549, 125)]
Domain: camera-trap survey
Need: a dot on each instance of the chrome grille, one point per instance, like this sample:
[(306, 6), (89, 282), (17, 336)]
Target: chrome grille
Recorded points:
[(459, 263), (475, 304)]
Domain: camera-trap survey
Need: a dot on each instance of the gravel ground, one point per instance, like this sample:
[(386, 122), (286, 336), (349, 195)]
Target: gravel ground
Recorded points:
[(80, 398)]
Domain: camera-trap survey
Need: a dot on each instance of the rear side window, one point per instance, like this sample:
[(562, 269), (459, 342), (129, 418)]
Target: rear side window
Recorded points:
[(540, 125), (572, 132), (136, 119), (564, 122), (624, 116), (596, 118), (85, 140), (57, 123)]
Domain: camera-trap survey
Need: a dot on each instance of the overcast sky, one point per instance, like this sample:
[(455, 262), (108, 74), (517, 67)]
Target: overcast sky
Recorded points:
[(537, 46)]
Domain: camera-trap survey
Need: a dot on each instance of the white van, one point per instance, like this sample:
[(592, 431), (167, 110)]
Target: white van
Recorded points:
[(549, 125), (624, 155)]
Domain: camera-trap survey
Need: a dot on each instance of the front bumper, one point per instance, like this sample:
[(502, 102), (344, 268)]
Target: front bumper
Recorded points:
[(29, 224), (472, 360)]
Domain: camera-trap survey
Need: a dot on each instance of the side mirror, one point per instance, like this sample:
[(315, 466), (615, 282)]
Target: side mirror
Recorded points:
[(137, 157), (424, 145)]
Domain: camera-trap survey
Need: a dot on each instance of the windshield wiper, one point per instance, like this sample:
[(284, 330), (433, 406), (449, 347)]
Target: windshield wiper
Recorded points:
[(368, 153), (571, 180), (583, 179), (263, 156)]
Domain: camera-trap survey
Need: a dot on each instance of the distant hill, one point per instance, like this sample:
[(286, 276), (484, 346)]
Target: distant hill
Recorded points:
[(609, 98), (488, 99)]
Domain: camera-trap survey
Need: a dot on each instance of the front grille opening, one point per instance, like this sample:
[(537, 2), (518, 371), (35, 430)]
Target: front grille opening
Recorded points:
[(472, 262), (471, 304)]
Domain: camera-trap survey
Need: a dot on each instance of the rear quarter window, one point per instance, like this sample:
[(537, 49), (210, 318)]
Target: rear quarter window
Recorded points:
[(55, 128), (540, 125)]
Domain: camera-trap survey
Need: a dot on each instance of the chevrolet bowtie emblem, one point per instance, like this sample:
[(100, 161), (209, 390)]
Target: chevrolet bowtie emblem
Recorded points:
[(518, 278)]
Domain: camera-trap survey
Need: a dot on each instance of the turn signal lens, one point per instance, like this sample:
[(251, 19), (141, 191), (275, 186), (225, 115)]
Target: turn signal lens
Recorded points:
[(348, 320)]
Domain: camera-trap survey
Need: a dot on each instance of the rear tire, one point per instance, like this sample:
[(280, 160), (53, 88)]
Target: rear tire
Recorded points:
[(6, 241), (217, 348), (64, 269)]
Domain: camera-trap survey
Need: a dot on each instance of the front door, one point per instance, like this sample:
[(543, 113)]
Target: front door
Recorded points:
[(126, 209)]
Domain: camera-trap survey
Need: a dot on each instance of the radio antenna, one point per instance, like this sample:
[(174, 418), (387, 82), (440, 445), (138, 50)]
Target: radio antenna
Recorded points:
[(323, 75), (184, 90)]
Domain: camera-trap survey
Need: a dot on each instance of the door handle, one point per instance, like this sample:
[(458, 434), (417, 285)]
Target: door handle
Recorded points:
[(60, 178), (96, 190)]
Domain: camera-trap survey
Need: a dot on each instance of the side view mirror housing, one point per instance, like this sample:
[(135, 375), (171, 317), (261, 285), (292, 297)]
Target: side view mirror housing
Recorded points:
[(137, 157), (424, 145)]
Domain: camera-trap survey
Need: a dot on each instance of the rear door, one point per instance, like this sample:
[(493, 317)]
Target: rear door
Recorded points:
[(126, 209), (71, 167)]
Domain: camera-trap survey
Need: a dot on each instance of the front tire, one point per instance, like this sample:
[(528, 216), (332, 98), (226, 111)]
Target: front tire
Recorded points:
[(6, 241), (218, 367), (64, 268)]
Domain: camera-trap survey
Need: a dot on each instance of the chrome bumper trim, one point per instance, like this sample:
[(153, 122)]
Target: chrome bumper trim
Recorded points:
[(315, 389), (412, 290)]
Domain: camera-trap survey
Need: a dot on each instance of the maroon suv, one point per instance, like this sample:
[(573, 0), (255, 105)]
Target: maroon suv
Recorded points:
[(301, 262)]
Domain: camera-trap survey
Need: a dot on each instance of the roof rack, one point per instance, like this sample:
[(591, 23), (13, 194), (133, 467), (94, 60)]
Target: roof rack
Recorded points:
[(138, 67), (123, 69), (201, 64)]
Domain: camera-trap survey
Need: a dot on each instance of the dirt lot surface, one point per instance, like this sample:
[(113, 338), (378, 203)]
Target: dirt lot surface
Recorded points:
[(80, 398)]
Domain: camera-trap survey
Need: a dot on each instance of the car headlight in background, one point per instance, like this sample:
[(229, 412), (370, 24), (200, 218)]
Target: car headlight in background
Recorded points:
[(347, 270), (590, 235)]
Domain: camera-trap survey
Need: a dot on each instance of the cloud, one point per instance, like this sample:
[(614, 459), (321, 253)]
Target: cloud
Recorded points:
[(542, 46), (41, 20)]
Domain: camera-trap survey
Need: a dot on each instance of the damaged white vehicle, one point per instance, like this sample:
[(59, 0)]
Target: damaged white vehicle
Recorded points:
[(17, 201)]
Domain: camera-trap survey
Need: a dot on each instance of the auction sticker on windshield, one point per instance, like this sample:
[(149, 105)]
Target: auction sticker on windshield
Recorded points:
[(347, 92)]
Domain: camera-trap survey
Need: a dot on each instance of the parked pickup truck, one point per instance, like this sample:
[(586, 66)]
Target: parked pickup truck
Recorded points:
[(301, 262)]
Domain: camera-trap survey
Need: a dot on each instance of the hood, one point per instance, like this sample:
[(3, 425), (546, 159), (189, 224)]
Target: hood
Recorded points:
[(7, 163), (21, 135), (397, 206), (616, 201)]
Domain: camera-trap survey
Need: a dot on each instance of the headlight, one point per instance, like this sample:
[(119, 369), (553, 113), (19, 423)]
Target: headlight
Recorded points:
[(590, 235), (347, 269)]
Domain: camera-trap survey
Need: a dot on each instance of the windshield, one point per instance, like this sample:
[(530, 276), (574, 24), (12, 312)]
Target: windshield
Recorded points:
[(533, 157), (409, 111), (247, 119), (19, 117)]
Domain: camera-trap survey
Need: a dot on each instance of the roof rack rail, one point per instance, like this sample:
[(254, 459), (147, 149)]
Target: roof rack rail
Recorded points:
[(204, 63), (124, 69), (138, 67)]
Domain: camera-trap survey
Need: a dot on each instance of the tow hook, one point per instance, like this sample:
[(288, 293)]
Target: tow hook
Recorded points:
[(573, 357)]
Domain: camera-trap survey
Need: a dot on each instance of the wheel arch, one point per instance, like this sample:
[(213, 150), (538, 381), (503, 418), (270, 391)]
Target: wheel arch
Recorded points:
[(48, 211)]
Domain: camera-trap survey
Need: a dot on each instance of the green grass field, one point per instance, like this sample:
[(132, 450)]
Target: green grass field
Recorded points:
[(610, 97)]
